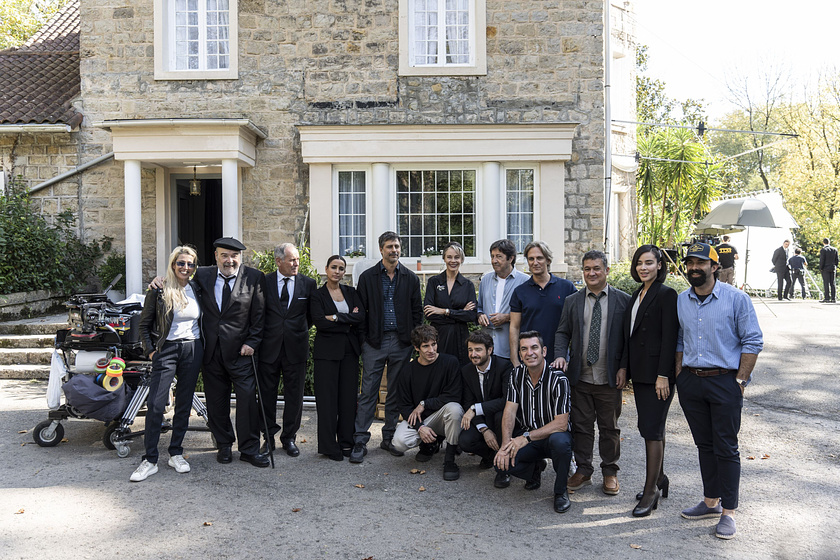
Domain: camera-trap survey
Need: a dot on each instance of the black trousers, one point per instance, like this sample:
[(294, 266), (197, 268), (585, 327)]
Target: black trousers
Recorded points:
[(784, 287), (294, 375), (217, 381), (712, 407), (798, 275), (557, 447), (472, 441), (829, 285), (175, 358), (336, 387)]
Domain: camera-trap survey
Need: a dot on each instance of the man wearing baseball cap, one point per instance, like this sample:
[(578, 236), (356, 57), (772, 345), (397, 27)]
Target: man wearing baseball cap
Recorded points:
[(717, 347)]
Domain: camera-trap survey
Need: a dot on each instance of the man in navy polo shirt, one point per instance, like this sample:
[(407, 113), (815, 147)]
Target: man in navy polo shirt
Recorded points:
[(537, 304)]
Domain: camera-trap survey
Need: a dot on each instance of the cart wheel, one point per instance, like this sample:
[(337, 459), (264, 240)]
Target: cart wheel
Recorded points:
[(110, 434), (41, 434), (123, 450)]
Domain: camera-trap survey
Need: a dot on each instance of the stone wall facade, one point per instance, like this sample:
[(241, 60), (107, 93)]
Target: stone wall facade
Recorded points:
[(309, 62)]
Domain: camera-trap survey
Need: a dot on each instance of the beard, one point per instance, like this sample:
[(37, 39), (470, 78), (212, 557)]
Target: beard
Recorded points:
[(697, 278)]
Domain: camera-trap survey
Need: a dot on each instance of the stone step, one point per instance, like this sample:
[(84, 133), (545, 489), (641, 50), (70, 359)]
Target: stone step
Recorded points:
[(27, 341), (25, 372), (25, 356), (44, 325)]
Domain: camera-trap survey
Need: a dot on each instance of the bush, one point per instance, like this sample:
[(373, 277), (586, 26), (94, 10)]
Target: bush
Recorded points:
[(114, 264), (35, 255), (620, 278)]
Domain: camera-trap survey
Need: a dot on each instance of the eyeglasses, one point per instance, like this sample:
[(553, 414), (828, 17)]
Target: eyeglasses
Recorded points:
[(183, 264)]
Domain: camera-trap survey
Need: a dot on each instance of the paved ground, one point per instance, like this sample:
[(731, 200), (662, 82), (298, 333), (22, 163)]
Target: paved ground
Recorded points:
[(75, 500)]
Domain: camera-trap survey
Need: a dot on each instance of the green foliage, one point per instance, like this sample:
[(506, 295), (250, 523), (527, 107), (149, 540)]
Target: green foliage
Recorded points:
[(620, 278), (37, 255), (114, 264), (20, 19)]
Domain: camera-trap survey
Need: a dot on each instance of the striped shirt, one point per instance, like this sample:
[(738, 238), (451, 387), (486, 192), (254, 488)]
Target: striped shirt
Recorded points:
[(715, 332), (538, 405)]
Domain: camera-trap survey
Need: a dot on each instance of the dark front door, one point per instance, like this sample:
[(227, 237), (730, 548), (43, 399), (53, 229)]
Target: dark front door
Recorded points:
[(200, 217)]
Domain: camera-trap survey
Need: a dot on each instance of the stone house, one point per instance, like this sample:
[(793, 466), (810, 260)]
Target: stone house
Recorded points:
[(332, 121)]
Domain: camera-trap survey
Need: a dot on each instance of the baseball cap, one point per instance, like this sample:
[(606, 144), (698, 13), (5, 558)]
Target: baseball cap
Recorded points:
[(701, 251)]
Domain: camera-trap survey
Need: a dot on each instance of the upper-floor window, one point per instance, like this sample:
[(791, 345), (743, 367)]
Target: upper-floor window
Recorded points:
[(443, 37), (196, 39)]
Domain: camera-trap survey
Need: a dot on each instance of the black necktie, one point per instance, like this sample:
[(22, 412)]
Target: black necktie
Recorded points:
[(284, 296), (226, 292), (594, 347)]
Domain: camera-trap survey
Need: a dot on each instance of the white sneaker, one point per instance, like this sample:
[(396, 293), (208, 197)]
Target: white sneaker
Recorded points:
[(144, 471), (180, 464)]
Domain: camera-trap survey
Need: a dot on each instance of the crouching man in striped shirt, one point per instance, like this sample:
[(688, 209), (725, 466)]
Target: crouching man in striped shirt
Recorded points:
[(717, 347), (535, 424)]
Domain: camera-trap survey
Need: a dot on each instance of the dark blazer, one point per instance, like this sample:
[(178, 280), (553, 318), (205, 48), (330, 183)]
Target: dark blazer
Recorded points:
[(155, 322), (241, 322), (287, 331), (780, 260), (570, 333), (649, 351), (332, 337), (407, 303), (828, 258), (496, 384)]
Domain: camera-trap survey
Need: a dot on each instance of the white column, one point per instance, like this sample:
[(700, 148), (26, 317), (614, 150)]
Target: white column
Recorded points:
[(133, 229), (493, 218), (231, 203), (383, 205)]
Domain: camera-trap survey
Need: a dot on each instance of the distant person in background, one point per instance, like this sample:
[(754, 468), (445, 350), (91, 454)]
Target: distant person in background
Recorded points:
[(797, 264), (780, 266), (728, 255), (828, 267)]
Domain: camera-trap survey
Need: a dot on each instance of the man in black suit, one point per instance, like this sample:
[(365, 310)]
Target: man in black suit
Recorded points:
[(285, 345), (390, 295), (232, 303), (485, 383), (828, 269), (784, 287), (591, 325)]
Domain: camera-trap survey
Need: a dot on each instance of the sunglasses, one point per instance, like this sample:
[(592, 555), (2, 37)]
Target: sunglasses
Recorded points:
[(183, 264)]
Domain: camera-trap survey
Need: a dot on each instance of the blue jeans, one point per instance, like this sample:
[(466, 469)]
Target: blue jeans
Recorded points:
[(395, 354), (557, 447), (175, 358)]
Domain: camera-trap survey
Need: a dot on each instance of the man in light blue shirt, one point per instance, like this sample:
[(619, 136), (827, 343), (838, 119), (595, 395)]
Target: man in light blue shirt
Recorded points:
[(717, 347), (494, 293)]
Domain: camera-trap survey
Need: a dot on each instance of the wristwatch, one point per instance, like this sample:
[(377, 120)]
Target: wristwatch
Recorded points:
[(743, 383), (335, 317), (527, 435)]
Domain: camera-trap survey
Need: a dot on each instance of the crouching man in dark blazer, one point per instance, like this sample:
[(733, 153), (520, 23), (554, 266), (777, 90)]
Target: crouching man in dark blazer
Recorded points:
[(232, 299), (428, 398), (485, 382), (285, 347)]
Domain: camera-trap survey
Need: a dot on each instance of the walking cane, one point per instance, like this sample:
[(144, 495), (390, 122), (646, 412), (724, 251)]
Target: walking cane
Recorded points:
[(268, 438)]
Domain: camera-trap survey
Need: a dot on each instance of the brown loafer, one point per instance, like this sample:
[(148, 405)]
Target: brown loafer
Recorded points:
[(611, 485), (578, 481)]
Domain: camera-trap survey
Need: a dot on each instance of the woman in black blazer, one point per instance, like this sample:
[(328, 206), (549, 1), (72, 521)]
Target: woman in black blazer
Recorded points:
[(450, 304), (650, 334), (337, 313)]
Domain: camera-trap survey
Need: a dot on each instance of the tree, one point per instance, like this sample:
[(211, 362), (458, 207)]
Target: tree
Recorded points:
[(20, 19)]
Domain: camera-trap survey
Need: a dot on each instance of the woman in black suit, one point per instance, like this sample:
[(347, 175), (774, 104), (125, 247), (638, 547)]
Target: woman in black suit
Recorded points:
[(450, 304), (650, 334), (336, 312)]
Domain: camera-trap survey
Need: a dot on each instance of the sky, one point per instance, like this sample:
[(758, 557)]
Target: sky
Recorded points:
[(695, 47)]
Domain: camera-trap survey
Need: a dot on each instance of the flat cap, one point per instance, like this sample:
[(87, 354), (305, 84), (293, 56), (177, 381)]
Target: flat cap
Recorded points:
[(229, 243)]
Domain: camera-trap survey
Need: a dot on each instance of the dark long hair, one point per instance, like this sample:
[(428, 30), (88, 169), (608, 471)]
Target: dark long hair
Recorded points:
[(657, 254)]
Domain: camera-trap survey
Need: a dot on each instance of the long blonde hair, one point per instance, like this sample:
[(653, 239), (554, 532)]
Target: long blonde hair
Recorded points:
[(173, 293)]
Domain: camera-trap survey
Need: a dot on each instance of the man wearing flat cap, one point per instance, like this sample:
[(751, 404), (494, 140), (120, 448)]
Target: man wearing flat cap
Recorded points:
[(233, 305), (717, 346)]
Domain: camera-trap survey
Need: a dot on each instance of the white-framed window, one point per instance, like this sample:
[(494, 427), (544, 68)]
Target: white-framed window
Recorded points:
[(434, 207), (196, 39), (443, 37), (352, 213), (519, 208)]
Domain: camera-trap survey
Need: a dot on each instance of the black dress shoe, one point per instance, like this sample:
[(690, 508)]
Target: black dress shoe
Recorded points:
[(388, 445), (265, 446), (291, 449), (644, 511), (663, 485), (451, 471), (486, 463), (502, 480), (259, 460), (562, 502), (336, 456), (535, 481), (223, 455)]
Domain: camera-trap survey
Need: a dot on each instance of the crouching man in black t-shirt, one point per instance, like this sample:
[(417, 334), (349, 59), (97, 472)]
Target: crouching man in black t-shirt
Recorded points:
[(428, 398)]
